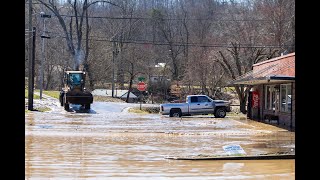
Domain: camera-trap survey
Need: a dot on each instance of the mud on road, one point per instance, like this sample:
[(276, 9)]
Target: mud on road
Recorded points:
[(110, 142)]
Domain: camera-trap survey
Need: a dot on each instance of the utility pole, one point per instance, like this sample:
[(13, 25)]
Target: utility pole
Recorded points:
[(33, 53), (31, 64), (31, 70), (43, 36), (113, 56)]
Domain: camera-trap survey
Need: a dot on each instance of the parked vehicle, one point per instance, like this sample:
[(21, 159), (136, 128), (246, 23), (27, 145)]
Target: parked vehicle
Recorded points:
[(196, 104)]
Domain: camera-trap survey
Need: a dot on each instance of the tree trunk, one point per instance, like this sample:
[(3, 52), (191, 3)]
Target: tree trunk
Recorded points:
[(48, 82), (242, 95), (132, 75), (243, 102), (88, 71), (130, 88)]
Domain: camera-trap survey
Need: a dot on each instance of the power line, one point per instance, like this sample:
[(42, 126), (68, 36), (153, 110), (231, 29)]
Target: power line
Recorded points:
[(158, 43), (175, 19), (205, 45)]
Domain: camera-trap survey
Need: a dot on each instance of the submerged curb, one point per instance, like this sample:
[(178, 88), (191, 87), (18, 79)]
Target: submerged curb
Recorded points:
[(259, 157)]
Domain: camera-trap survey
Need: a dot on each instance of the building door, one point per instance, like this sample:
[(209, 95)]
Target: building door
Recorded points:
[(272, 98), (276, 99)]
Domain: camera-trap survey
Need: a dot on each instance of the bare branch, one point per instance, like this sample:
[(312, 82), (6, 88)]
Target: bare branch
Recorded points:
[(227, 66)]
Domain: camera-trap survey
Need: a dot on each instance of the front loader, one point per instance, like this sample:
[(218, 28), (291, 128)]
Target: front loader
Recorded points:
[(74, 91)]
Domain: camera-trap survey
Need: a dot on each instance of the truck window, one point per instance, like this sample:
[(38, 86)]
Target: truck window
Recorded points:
[(194, 99), (203, 99)]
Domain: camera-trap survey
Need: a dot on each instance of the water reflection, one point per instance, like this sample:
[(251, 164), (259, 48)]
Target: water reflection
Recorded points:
[(121, 155), (117, 145), (232, 167)]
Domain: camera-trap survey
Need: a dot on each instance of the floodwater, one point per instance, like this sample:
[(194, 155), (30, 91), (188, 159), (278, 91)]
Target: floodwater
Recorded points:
[(110, 143)]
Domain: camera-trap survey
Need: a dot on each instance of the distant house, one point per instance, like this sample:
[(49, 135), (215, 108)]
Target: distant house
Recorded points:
[(132, 98), (156, 78), (272, 94), (122, 94)]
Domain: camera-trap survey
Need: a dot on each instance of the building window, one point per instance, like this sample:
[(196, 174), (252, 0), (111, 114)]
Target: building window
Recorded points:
[(272, 97), (286, 97), (267, 97)]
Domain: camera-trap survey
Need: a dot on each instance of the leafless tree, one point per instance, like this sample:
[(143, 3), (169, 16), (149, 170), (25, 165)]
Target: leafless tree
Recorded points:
[(238, 60), (169, 32), (134, 65), (172, 32), (78, 24), (235, 64)]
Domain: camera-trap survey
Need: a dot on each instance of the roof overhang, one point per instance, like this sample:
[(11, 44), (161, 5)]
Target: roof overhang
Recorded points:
[(264, 80)]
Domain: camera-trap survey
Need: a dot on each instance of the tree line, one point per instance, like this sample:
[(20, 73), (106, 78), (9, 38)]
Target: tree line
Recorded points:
[(200, 43)]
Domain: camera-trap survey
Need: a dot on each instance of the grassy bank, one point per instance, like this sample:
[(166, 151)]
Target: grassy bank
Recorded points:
[(35, 96), (39, 109), (106, 99), (43, 109), (145, 110), (54, 94)]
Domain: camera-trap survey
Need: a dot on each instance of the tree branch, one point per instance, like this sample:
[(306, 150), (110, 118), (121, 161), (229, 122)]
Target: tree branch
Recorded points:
[(227, 66), (87, 37), (52, 7), (108, 2)]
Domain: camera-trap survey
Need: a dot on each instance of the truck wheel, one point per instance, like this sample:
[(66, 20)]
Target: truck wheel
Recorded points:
[(87, 106), (66, 106), (175, 113), (220, 113)]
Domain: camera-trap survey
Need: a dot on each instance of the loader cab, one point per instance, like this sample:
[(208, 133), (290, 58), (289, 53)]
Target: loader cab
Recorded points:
[(74, 79)]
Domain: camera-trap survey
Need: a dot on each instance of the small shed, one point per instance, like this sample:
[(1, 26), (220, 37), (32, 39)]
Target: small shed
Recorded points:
[(121, 94), (132, 98)]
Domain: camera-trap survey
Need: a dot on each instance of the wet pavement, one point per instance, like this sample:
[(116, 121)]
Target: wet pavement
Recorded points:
[(108, 142)]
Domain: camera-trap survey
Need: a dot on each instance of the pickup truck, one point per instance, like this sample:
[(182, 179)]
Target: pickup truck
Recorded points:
[(196, 104)]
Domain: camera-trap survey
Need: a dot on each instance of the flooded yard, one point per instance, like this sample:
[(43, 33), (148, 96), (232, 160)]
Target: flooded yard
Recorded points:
[(110, 143)]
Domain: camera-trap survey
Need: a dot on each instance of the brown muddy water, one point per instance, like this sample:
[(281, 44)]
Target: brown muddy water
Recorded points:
[(111, 143)]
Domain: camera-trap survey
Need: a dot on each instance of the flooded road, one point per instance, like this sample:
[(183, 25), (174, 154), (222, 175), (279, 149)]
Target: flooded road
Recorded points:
[(110, 143)]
